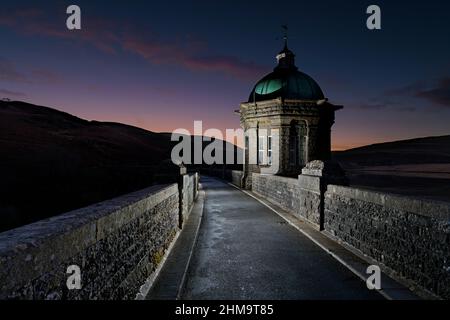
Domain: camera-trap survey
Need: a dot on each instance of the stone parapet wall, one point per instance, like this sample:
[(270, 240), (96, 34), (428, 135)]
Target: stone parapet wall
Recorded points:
[(281, 191), (190, 189), (299, 196), (409, 236), (117, 244)]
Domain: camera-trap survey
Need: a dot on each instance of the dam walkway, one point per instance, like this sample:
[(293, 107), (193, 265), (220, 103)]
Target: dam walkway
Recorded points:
[(244, 250)]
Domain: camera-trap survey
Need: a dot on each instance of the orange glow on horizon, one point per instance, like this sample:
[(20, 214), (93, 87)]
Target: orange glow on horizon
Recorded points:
[(167, 124)]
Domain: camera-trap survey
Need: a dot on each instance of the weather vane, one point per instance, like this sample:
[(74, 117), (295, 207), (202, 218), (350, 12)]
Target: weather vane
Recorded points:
[(285, 32)]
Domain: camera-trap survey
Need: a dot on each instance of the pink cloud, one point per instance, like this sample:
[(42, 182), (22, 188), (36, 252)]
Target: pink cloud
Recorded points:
[(8, 72), (439, 94), (226, 64), (12, 93), (189, 54), (47, 76), (191, 58), (35, 22)]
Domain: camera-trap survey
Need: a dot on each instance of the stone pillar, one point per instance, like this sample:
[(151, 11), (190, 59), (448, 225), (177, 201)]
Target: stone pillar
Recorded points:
[(313, 183)]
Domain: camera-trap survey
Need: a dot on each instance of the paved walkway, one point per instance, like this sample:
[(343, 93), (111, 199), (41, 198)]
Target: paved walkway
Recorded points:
[(246, 251)]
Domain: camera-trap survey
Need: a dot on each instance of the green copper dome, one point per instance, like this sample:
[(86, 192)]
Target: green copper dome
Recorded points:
[(286, 82)]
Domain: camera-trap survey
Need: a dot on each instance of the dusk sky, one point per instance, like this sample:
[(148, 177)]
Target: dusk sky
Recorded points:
[(160, 65)]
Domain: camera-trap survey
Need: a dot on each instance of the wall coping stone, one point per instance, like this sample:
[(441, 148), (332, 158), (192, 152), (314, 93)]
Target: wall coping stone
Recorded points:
[(292, 181)]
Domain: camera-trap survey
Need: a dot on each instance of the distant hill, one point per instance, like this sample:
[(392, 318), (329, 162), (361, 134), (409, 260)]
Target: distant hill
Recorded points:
[(45, 134), (416, 167), (413, 151), (52, 162)]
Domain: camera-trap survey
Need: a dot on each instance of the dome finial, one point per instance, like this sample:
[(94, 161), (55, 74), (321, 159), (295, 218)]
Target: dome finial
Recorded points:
[(286, 58)]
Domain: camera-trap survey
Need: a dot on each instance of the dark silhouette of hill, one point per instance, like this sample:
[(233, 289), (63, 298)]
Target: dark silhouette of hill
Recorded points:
[(412, 151), (416, 167), (53, 162)]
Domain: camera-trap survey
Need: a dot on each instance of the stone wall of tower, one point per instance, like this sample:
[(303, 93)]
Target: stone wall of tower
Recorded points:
[(313, 141), (323, 143), (311, 123), (319, 137)]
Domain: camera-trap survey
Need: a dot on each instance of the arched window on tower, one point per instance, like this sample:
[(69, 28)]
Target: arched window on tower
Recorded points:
[(261, 149), (298, 143)]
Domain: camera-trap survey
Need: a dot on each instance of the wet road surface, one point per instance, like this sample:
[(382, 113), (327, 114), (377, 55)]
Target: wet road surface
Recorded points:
[(246, 251)]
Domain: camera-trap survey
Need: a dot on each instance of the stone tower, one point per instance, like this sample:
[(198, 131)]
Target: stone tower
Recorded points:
[(287, 122)]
